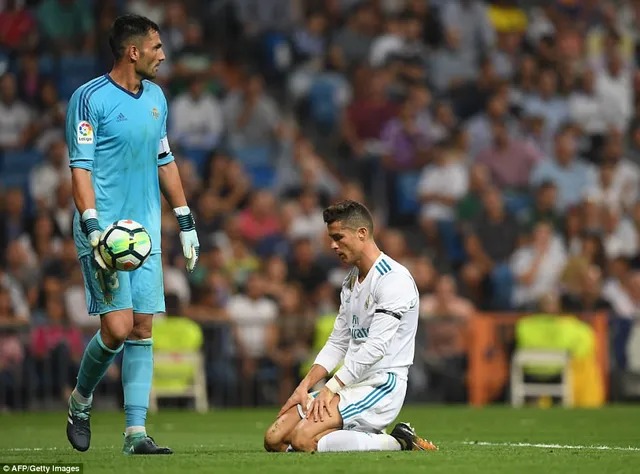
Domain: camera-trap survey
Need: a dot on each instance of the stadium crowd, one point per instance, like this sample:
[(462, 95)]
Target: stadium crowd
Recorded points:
[(497, 144)]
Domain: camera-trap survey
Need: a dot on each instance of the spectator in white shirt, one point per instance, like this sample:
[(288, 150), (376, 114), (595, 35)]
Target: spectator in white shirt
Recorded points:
[(615, 289), (75, 301), (614, 88), (387, 44), (603, 192), (618, 177), (175, 280), (19, 305), (197, 120), (47, 177), (586, 108), (471, 18), (620, 237), (254, 318), (309, 223), (537, 267), (152, 9), (604, 39), (15, 116), (626, 173), (441, 185)]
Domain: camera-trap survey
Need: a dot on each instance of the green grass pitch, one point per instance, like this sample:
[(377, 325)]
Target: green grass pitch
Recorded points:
[(488, 440)]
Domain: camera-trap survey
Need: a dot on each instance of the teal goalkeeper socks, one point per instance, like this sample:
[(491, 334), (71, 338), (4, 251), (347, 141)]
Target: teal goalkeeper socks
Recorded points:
[(137, 374), (95, 361)]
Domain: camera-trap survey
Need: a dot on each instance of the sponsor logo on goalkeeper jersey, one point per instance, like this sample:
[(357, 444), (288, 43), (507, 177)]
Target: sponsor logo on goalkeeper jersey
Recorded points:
[(85, 133)]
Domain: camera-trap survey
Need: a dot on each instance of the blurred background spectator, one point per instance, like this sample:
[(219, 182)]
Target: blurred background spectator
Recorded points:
[(497, 143)]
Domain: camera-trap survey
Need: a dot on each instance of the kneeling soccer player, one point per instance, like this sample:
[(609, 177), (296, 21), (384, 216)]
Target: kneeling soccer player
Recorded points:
[(374, 337)]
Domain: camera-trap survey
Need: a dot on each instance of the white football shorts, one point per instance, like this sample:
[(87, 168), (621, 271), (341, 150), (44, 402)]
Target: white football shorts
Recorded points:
[(371, 405)]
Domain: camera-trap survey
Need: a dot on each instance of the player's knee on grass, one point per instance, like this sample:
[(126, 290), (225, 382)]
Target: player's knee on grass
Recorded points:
[(278, 436), (308, 432), (303, 441)]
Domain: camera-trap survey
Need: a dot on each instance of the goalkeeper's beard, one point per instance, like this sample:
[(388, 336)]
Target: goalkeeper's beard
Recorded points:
[(149, 72)]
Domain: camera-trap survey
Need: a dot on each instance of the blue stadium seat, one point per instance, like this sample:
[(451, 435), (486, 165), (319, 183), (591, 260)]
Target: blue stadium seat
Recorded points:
[(324, 103), (502, 287), (5, 61), (73, 71), (278, 54), (12, 179), (47, 65), (407, 192), (197, 156), (253, 156), (261, 176), (451, 240), (16, 162), (516, 203)]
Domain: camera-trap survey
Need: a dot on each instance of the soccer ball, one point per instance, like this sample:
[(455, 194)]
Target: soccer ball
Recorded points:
[(125, 245)]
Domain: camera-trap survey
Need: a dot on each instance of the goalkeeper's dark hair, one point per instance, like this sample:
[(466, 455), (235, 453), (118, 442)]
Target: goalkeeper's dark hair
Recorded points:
[(126, 28), (352, 214)]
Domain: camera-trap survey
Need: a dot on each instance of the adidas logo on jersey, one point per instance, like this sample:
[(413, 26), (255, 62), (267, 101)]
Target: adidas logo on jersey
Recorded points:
[(121, 117)]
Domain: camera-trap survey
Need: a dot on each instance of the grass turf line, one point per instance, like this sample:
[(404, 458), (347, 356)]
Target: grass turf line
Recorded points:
[(492, 440)]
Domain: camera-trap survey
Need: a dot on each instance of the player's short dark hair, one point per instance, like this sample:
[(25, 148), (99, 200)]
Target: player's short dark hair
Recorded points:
[(125, 28), (351, 214)]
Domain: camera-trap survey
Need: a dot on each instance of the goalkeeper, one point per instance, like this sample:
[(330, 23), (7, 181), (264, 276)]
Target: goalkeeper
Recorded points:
[(120, 162)]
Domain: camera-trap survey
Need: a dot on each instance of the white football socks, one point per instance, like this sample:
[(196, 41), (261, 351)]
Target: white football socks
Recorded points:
[(80, 399), (345, 440), (131, 430)]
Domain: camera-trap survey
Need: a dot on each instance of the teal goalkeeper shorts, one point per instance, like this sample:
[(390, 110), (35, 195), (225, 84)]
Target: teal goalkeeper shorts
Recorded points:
[(142, 289)]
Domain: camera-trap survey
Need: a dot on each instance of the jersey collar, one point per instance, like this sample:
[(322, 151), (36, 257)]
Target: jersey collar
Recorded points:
[(137, 95)]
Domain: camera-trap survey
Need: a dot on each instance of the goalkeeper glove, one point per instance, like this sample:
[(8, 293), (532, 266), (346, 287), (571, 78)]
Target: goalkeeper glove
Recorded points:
[(91, 227), (188, 236)]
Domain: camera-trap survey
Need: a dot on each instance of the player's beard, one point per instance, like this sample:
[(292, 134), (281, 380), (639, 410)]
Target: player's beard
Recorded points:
[(348, 257), (147, 74)]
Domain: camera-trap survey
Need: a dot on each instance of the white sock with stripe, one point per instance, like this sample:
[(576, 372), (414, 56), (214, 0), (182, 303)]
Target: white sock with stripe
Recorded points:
[(345, 440)]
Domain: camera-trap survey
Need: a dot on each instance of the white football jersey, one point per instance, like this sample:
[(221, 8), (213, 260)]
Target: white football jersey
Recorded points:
[(376, 326)]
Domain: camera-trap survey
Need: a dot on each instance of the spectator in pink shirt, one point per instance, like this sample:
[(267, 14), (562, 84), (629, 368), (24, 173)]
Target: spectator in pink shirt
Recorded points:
[(510, 161), (260, 218), (57, 348), (366, 116), (11, 352)]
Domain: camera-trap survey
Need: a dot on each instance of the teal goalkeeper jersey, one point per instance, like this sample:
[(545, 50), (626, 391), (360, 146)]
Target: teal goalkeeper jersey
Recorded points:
[(121, 138)]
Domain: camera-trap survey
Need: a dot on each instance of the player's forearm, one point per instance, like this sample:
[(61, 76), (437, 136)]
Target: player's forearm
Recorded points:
[(332, 354), (82, 187), (171, 185), (314, 376)]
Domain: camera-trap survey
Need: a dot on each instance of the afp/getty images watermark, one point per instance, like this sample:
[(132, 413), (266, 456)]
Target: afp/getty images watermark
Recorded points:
[(42, 468)]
